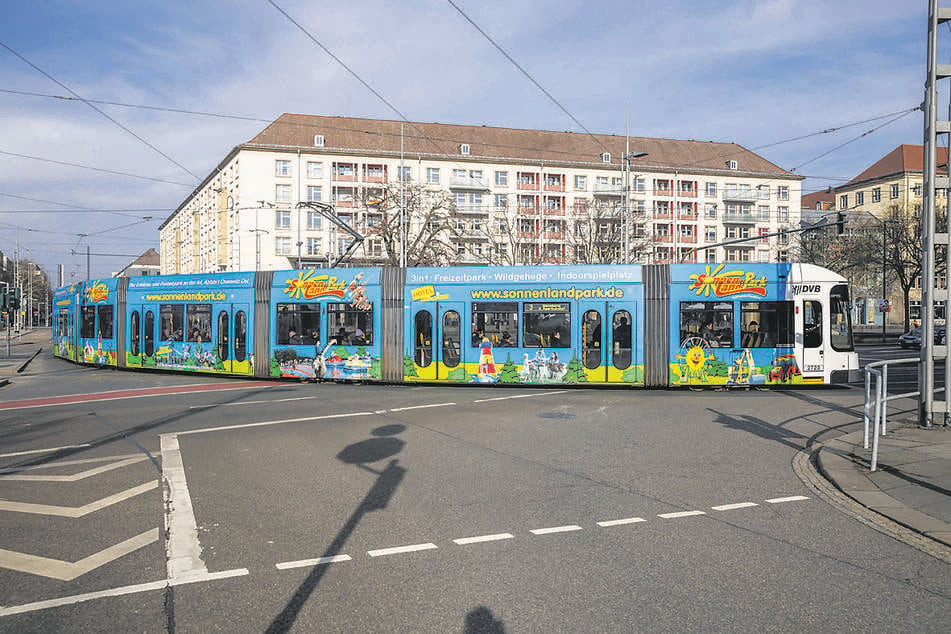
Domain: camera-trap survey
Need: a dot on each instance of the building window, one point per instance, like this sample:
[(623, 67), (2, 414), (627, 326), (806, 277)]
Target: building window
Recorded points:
[(313, 246), (282, 246), (501, 201), (581, 182), (784, 214), (895, 190), (502, 179), (404, 173), (313, 193), (282, 168), (319, 140), (710, 234), (859, 198), (782, 192), (464, 149), (917, 189), (282, 194), (762, 255), (844, 201), (605, 157), (710, 210), (877, 195), (762, 212), (638, 185), (282, 219), (711, 256), (315, 170), (314, 221), (762, 234), (762, 192), (710, 189), (732, 165), (432, 175)]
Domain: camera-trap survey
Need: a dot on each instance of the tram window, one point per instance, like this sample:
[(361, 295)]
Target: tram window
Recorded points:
[(711, 321), (350, 326), (172, 319), (298, 324), (134, 334), (105, 322), (496, 320), (62, 322), (766, 324), (546, 325), (423, 338), (840, 319), (87, 325), (451, 329), (198, 317), (223, 335), (621, 336), (591, 339), (240, 336), (811, 324), (149, 333)]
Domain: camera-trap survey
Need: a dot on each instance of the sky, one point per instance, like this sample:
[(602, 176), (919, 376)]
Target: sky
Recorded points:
[(817, 87)]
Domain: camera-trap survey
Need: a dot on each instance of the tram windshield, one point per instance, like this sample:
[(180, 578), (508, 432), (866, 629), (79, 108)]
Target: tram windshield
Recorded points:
[(840, 322)]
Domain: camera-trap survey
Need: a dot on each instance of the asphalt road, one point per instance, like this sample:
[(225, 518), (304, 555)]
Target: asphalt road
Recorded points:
[(332, 508)]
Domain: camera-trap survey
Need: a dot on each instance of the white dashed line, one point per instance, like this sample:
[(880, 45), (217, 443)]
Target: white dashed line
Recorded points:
[(406, 409), (733, 507), (47, 450), (462, 541), (401, 549), (555, 529), (791, 498), (506, 398), (627, 520), (319, 561), (671, 516)]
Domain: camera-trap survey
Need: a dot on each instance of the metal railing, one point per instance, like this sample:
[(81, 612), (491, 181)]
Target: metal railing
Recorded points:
[(880, 405)]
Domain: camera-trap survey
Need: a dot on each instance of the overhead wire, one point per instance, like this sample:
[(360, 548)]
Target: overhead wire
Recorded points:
[(95, 169)]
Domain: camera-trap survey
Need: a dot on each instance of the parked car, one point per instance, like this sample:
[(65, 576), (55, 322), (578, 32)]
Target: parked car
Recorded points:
[(912, 338)]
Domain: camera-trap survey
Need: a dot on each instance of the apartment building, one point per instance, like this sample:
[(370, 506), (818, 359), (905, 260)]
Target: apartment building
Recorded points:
[(504, 196)]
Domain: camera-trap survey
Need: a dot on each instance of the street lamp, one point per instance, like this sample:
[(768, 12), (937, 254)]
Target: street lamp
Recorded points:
[(627, 156)]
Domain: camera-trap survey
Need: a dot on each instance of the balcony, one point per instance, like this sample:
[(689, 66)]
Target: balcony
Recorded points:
[(603, 189), (528, 211), (738, 217), (468, 182), (740, 195)]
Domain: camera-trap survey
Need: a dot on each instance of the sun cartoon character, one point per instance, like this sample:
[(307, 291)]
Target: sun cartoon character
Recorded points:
[(693, 357)]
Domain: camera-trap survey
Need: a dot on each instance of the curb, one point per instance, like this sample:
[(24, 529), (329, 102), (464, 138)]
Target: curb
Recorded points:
[(847, 472)]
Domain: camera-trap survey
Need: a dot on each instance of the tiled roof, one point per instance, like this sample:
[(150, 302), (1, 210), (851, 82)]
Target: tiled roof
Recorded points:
[(904, 158), (508, 145), (149, 258), (825, 197)]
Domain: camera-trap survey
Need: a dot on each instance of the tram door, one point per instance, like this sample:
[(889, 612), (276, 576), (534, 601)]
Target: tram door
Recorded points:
[(231, 337), (449, 339), (143, 321), (593, 339), (811, 327)]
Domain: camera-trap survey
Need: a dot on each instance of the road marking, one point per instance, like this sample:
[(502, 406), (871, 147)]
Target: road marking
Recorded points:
[(118, 592), (50, 450), (401, 549), (76, 511), (670, 516), (506, 398), (268, 423), (182, 548), (462, 541), (241, 403), (319, 561), (791, 498), (67, 570), (406, 409), (74, 477), (628, 520), (555, 529), (732, 507)]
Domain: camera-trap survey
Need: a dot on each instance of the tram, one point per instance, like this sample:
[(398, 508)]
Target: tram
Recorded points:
[(654, 326)]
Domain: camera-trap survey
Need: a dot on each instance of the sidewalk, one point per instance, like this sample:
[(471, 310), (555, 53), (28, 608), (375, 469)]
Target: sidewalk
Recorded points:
[(912, 485), (24, 346)]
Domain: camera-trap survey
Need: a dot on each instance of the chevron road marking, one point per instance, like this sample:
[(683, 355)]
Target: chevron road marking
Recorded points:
[(11, 474), (66, 570), (76, 511)]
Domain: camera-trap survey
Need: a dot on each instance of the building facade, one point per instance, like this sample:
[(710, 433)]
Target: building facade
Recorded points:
[(509, 197)]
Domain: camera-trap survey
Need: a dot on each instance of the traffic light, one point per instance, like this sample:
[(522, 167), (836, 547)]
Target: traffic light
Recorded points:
[(3, 299), (13, 299), (840, 222)]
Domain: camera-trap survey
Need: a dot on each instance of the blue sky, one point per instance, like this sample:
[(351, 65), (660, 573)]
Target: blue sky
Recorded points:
[(754, 72)]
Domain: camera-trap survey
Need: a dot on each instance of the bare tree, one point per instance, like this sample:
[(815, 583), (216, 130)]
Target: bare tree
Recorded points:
[(428, 219)]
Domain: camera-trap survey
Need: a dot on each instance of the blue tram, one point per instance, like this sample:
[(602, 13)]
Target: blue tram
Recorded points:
[(654, 326)]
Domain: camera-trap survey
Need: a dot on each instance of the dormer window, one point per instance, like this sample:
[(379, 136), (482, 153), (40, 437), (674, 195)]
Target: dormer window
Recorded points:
[(605, 157), (731, 164), (464, 149), (319, 140)]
